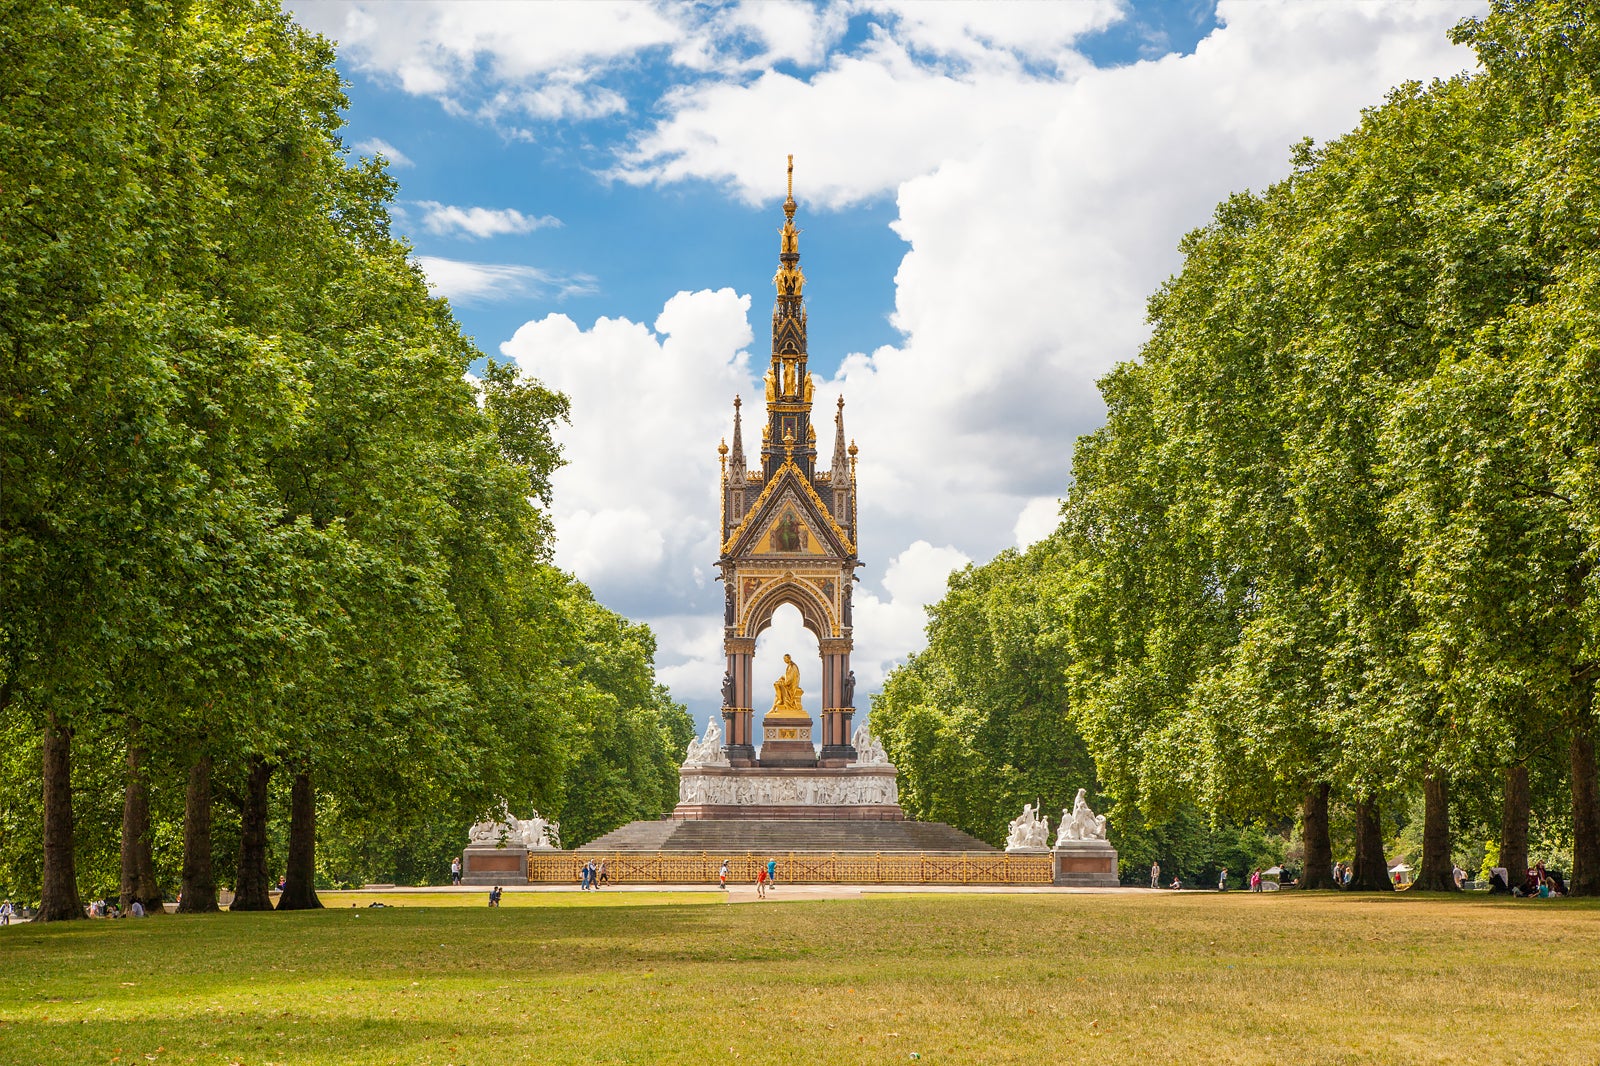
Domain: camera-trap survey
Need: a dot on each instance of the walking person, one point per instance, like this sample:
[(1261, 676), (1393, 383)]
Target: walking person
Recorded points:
[(1155, 875), (722, 876), (1255, 879), (772, 873), (761, 882), (1222, 880), (602, 875), (7, 910), (455, 871)]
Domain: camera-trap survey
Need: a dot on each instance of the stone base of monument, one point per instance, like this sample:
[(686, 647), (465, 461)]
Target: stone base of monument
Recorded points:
[(488, 865), (1086, 864), (787, 741), (857, 793)]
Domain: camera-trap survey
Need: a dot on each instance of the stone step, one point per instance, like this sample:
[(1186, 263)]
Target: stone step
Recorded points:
[(785, 835)]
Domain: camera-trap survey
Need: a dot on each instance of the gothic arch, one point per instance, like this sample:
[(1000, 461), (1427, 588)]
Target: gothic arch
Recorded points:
[(814, 610)]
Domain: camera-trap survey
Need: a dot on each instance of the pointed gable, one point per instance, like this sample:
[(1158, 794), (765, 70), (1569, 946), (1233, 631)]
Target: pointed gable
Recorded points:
[(789, 519)]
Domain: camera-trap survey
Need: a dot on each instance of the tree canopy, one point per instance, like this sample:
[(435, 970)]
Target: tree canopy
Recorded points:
[(262, 535), (1336, 540)]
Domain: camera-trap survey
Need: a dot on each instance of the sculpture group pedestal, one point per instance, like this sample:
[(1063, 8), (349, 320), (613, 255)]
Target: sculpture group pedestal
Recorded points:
[(856, 793), (485, 864), (1085, 864)]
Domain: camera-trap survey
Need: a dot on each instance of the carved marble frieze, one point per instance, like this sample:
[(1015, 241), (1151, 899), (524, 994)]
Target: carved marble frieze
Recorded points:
[(802, 790)]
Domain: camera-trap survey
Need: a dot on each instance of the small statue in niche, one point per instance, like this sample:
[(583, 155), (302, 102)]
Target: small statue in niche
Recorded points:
[(727, 605), (848, 689), (847, 591), (727, 689)]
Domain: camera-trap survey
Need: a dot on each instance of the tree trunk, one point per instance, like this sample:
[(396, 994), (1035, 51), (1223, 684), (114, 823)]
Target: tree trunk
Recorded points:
[(1318, 872), (199, 895), (1514, 823), (1585, 879), (250, 891), (138, 861), (299, 886), (1438, 867), (59, 900), (1370, 871)]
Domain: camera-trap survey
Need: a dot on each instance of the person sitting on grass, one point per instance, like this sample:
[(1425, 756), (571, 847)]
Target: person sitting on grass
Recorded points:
[(1176, 884)]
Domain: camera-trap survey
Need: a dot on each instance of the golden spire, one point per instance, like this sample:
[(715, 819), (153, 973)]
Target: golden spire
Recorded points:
[(789, 280)]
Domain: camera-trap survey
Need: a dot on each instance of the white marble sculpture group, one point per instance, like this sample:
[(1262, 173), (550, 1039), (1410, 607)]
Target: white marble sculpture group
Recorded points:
[(707, 750), (869, 750), (1081, 823), (1030, 832), (500, 829)]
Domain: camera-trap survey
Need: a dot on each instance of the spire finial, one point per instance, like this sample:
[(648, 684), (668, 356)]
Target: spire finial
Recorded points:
[(788, 205), (738, 439), (791, 177)]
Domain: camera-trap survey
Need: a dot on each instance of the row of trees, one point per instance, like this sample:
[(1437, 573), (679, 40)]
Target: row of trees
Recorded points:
[(1336, 541), (259, 532)]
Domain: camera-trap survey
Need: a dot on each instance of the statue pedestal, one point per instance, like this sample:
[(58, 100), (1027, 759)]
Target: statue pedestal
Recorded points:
[(1086, 864), (485, 864), (786, 740)]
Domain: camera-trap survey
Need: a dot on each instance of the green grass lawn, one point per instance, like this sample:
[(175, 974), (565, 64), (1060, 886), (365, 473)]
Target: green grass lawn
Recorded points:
[(685, 978)]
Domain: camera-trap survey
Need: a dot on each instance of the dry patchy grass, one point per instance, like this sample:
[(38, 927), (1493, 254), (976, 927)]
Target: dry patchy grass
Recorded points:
[(633, 978)]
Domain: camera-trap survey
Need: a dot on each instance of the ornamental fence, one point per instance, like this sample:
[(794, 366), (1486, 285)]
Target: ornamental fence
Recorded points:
[(838, 868)]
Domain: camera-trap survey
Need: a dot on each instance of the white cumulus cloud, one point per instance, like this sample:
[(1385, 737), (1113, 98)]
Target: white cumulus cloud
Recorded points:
[(377, 146), (479, 283), (447, 219)]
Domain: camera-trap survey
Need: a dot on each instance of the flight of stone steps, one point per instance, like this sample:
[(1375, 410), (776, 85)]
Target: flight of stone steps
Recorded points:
[(735, 836)]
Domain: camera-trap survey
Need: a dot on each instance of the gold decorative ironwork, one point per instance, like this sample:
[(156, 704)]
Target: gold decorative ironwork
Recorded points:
[(836, 868)]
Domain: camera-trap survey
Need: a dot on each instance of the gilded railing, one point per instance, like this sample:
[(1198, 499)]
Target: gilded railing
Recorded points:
[(857, 868)]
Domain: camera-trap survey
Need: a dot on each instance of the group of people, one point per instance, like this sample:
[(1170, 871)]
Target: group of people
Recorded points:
[(1222, 879), (494, 895), (594, 875), (766, 877), (1537, 883), (101, 909)]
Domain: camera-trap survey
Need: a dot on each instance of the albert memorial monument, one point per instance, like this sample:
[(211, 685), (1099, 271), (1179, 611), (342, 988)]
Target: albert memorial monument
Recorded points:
[(788, 538)]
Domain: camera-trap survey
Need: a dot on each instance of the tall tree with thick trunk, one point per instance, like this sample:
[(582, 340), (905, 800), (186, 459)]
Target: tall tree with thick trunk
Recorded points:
[(1585, 879), (1369, 871), (138, 856), (199, 892), (1437, 873), (251, 889), (299, 886), (1515, 807), (59, 899), (1318, 872)]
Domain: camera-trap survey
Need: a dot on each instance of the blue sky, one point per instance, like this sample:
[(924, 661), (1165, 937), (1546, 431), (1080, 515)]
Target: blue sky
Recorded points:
[(621, 249), (988, 193)]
